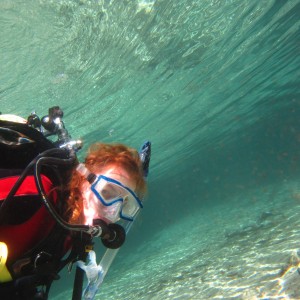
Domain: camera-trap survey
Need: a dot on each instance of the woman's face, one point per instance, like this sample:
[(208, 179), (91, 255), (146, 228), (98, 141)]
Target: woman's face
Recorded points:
[(93, 209)]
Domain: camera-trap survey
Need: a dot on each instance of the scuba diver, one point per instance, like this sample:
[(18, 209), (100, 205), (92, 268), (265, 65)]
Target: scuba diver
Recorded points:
[(52, 206)]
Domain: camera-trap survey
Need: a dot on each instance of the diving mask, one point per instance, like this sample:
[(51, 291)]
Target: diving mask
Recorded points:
[(116, 200)]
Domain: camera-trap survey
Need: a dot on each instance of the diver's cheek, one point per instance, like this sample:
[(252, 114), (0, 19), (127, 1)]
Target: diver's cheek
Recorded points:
[(90, 207), (111, 213)]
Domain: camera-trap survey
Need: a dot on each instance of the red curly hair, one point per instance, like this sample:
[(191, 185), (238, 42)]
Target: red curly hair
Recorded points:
[(100, 156)]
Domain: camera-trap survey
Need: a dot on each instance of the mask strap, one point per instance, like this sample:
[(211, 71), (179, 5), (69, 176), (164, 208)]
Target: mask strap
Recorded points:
[(83, 171)]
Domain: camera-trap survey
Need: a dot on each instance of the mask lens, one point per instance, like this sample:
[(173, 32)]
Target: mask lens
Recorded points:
[(109, 191), (130, 206)]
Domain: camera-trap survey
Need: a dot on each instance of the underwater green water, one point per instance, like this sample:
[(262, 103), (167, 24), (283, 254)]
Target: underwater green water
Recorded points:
[(214, 84)]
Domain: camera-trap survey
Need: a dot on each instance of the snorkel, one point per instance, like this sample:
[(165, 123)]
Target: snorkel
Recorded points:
[(95, 273)]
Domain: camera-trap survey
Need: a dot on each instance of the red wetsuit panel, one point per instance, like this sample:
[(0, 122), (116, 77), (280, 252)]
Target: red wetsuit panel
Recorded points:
[(22, 237)]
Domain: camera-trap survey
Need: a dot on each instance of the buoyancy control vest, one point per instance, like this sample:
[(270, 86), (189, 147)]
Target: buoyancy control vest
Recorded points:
[(35, 242)]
